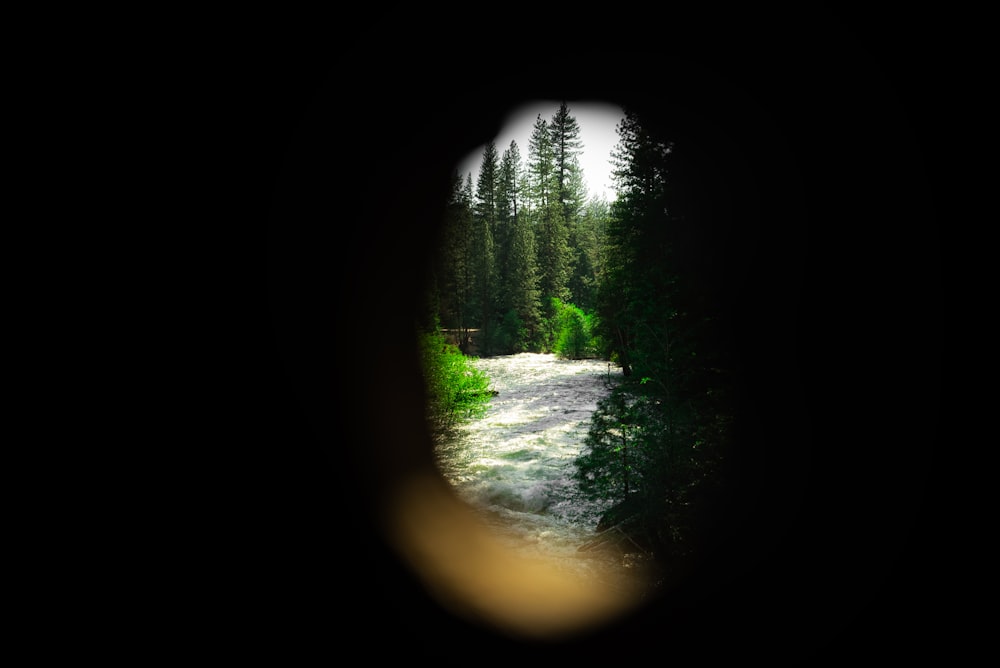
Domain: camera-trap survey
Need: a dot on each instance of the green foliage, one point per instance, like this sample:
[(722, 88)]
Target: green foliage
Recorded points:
[(457, 390), (512, 334), (566, 145), (655, 445), (650, 460), (547, 181), (573, 338), (517, 240), (452, 288), (517, 300), (609, 467)]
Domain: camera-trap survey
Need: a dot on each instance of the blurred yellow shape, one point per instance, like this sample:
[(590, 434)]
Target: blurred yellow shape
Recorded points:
[(472, 574)]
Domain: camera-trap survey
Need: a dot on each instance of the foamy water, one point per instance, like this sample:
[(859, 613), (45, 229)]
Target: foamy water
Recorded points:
[(515, 465)]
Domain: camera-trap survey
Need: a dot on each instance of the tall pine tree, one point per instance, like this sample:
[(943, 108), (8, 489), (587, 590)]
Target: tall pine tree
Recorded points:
[(452, 269), (508, 205), (654, 446), (566, 149), (518, 300), (485, 223), (551, 234)]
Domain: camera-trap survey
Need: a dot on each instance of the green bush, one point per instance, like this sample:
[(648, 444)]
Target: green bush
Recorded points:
[(573, 336), (457, 391)]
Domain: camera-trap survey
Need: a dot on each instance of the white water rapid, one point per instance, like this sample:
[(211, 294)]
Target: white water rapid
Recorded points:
[(515, 464)]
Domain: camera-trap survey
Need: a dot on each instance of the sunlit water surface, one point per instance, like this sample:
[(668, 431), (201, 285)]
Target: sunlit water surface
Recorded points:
[(515, 465)]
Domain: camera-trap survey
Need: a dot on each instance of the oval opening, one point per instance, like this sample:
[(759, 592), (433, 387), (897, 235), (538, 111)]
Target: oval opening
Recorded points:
[(570, 456)]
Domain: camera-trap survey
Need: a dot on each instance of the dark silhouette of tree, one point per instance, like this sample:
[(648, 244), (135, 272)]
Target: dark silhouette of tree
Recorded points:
[(485, 224), (450, 286), (654, 446), (518, 297)]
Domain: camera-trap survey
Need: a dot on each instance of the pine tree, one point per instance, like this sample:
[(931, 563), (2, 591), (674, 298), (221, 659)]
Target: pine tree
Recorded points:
[(566, 150), (637, 253), (451, 267), (508, 206), (484, 277), (488, 187), (551, 234), (655, 443), (589, 248), (518, 301)]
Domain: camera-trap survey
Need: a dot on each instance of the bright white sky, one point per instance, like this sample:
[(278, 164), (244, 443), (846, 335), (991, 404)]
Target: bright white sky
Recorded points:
[(597, 121)]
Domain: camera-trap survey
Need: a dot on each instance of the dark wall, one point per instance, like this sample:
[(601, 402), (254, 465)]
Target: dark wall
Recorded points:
[(802, 149)]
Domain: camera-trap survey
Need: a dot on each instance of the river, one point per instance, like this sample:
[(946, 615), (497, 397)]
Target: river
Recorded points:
[(515, 464)]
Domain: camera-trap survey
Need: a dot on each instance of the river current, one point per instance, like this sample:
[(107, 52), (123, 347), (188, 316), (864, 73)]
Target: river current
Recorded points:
[(515, 465)]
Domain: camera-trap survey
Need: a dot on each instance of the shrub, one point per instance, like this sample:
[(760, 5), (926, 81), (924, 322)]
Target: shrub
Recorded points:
[(573, 337), (457, 391)]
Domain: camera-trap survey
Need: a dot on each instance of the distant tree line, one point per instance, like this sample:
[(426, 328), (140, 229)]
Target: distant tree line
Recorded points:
[(521, 246)]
